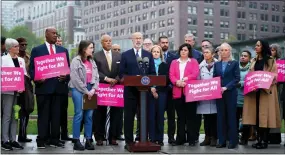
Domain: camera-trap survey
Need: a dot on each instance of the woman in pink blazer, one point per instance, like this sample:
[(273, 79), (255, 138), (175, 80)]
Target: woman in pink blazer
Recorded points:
[(182, 70)]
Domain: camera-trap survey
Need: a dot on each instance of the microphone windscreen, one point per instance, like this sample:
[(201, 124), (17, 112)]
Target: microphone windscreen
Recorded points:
[(146, 59), (139, 59)]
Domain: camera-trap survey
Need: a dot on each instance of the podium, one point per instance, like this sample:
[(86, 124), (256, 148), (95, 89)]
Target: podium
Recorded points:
[(143, 84)]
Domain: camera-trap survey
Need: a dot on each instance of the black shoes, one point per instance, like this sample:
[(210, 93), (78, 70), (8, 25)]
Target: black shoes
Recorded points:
[(66, 138), (243, 142), (16, 145), (213, 142), (262, 145), (6, 146), (207, 141), (24, 140), (56, 144), (231, 146), (192, 143), (78, 146), (89, 145), (120, 138), (170, 141), (221, 145)]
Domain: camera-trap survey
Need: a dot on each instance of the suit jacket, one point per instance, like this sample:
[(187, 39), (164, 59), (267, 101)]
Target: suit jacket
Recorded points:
[(197, 55), (51, 85), (231, 76), (191, 71), (103, 68), (129, 65)]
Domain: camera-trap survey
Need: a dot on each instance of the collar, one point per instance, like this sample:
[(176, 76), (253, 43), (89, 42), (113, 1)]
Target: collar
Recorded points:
[(48, 44), (179, 60), (109, 52), (140, 49)]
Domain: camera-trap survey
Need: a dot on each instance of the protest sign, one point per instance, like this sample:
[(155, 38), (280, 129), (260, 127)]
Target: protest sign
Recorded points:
[(110, 96), (257, 79), (12, 79)]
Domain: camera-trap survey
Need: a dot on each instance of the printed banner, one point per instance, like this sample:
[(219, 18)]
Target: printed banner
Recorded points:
[(50, 66), (200, 90), (257, 79), (110, 96), (12, 79), (281, 70)]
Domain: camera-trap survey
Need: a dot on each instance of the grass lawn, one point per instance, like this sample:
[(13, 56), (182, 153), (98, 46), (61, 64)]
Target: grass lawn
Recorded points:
[(32, 126)]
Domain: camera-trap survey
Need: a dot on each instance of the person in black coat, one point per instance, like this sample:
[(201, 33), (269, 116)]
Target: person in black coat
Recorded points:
[(158, 96)]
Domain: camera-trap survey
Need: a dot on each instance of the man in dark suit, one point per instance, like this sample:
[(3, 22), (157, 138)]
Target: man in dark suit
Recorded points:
[(108, 68), (190, 39), (129, 66), (170, 108), (49, 92)]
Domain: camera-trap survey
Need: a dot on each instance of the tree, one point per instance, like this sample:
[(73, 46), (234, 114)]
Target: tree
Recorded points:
[(4, 31), (23, 31), (230, 39), (63, 36)]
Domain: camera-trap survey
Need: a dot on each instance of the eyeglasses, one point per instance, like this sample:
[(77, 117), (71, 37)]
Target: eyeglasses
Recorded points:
[(23, 44), (116, 49)]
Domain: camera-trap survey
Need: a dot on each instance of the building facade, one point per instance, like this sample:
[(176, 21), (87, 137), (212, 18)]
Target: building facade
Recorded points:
[(7, 16), (65, 16), (216, 21)]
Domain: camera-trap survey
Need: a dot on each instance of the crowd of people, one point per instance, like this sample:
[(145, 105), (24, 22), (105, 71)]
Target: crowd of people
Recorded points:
[(231, 120)]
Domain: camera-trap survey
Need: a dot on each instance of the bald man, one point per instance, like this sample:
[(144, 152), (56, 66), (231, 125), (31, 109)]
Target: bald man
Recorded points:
[(116, 48), (107, 62), (49, 93), (129, 66)]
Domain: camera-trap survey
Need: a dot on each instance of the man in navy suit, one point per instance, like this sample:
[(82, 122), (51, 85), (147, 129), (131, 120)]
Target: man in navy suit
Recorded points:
[(170, 108), (49, 92), (129, 66)]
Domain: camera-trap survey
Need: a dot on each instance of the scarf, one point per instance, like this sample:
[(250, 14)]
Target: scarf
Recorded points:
[(157, 62), (245, 68)]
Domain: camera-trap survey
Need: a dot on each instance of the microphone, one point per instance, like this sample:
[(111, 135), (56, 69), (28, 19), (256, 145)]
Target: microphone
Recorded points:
[(140, 62), (146, 61)]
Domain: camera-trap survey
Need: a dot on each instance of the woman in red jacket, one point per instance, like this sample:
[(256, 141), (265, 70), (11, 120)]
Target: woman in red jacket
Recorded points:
[(182, 70)]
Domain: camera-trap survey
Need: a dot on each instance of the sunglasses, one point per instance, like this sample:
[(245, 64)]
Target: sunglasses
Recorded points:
[(23, 44)]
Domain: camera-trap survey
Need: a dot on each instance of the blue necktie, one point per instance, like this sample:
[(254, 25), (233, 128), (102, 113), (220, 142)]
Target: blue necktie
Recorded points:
[(137, 54), (165, 57)]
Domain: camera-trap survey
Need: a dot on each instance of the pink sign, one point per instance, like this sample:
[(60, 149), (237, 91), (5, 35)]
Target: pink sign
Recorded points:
[(257, 79), (12, 79), (200, 90), (50, 66), (110, 96), (281, 70)]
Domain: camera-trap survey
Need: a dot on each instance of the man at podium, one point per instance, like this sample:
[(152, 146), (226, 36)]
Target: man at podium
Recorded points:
[(130, 65)]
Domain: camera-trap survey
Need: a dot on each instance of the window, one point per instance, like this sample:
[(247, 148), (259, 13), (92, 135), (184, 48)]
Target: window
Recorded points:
[(283, 8), (152, 15), (224, 13), (263, 6), (153, 36), (252, 26), (161, 33), (208, 34), (144, 17), (103, 7), (208, 22), (137, 28), (123, 2), (161, 2), (116, 3), (253, 5), (123, 11), (208, 11), (224, 35), (109, 14), (241, 36), (224, 24), (264, 17), (241, 26), (130, 30), (145, 27), (264, 28), (153, 26), (161, 23), (194, 32), (137, 18), (277, 30), (241, 3), (253, 16), (170, 10), (283, 19), (224, 2), (137, 8), (145, 6), (115, 13), (192, 10), (275, 7), (130, 9), (115, 23), (109, 5), (273, 28), (103, 17), (115, 33), (275, 18), (241, 15), (161, 12), (192, 21), (109, 25), (123, 21), (170, 22), (170, 33), (208, 1), (122, 32), (102, 26), (130, 20)]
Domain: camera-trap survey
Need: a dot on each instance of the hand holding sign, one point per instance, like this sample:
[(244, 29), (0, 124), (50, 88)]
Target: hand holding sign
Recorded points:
[(257, 79)]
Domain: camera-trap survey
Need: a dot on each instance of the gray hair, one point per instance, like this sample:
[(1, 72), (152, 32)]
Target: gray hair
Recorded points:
[(223, 45), (147, 39), (211, 49), (217, 49), (278, 50), (10, 42), (189, 35)]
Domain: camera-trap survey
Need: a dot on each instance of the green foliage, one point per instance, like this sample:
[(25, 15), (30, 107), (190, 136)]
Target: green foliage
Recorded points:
[(230, 39), (23, 31), (4, 31), (72, 53)]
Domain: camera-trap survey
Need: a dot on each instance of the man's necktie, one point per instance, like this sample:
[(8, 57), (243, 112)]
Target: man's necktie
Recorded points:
[(137, 53), (109, 60), (51, 49), (165, 57)]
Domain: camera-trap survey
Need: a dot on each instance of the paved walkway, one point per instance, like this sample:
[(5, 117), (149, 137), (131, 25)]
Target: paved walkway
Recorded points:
[(31, 148)]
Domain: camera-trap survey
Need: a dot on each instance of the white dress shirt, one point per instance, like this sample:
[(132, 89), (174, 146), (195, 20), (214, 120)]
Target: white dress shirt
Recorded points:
[(48, 47), (140, 52), (109, 53), (182, 66)]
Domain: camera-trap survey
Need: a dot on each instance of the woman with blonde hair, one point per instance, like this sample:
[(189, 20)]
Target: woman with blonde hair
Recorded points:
[(157, 98), (229, 72)]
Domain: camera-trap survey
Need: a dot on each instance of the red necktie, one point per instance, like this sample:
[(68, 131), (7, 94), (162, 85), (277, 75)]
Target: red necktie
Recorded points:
[(51, 49)]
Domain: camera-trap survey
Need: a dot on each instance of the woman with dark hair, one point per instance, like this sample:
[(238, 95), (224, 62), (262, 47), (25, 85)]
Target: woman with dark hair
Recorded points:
[(157, 98), (182, 70), (261, 106), (84, 79), (244, 65), (228, 70)]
